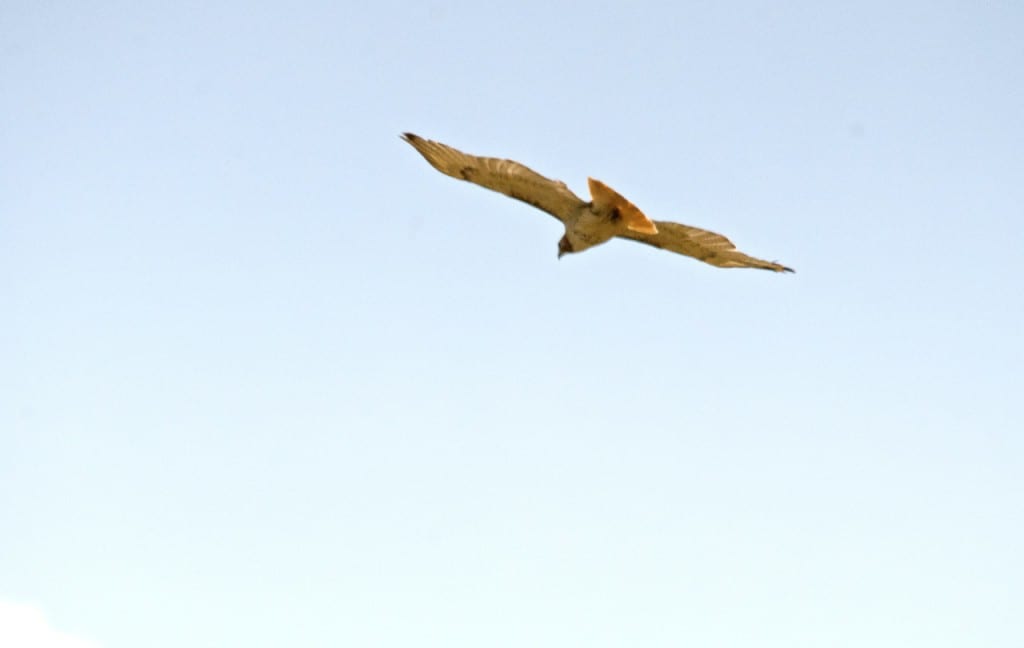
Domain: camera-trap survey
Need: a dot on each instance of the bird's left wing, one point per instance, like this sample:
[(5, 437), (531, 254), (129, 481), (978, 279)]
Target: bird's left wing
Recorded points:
[(701, 244), (504, 176)]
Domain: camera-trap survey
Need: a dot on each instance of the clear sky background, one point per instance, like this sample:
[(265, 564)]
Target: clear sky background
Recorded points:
[(268, 379)]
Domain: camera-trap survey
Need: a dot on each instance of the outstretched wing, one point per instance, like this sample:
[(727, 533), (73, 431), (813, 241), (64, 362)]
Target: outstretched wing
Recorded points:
[(504, 176), (701, 244)]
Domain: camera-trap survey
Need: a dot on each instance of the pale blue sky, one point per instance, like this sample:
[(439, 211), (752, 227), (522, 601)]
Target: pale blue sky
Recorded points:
[(268, 379)]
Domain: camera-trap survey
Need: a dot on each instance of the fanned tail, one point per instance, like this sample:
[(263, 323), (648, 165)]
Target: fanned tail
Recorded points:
[(607, 199)]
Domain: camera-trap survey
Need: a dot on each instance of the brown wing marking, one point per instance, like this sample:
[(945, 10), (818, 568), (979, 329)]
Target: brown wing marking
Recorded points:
[(701, 244), (504, 176)]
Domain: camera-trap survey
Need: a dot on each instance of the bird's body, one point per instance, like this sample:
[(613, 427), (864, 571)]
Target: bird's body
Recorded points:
[(587, 224), (587, 229), (606, 216)]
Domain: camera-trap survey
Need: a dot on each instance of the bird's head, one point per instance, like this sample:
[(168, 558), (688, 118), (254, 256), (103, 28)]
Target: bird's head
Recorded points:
[(564, 246)]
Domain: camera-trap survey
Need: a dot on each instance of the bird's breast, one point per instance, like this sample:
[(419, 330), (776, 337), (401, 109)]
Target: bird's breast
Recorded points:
[(589, 229)]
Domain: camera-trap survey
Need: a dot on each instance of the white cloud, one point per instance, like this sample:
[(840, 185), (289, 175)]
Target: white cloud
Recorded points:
[(24, 626)]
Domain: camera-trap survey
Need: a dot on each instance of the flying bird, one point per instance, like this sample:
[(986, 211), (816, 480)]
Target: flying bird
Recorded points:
[(606, 216)]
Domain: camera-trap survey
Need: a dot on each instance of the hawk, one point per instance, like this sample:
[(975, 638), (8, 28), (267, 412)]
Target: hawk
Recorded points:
[(606, 216)]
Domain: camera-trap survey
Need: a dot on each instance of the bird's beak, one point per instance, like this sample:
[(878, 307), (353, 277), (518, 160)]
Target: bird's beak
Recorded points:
[(561, 253)]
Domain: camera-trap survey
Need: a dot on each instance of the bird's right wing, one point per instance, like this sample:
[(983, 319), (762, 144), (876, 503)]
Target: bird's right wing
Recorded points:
[(701, 244), (504, 176)]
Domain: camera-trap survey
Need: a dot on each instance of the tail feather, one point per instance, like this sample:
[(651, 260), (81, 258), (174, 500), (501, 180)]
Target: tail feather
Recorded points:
[(607, 199)]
